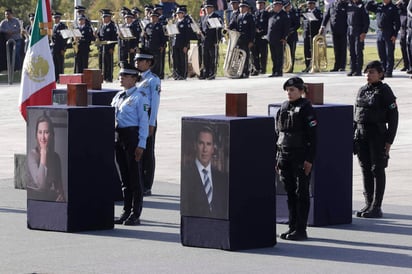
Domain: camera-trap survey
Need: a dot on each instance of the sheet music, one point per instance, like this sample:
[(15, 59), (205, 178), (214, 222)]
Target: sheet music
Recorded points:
[(171, 29), (214, 23), (70, 33), (126, 33), (310, 16)]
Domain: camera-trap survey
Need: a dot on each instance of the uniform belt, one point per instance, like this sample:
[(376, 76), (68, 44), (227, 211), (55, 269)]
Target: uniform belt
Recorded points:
[(122, 130)]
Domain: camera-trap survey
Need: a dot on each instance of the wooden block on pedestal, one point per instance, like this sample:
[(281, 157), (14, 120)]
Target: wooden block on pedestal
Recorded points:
[(93, 78), (314, 93), (236, 104), (77, 94), (71, 78)]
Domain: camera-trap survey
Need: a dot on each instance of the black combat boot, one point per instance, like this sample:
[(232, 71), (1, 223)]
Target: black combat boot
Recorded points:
[(374, 212), (368, 203)]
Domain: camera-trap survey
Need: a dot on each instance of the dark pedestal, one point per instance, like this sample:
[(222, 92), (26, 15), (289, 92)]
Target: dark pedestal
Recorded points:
[(82, 165), (243, 205), (331, 182)]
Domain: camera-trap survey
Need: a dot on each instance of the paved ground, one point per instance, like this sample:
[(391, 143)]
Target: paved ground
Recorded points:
[(365, 246)]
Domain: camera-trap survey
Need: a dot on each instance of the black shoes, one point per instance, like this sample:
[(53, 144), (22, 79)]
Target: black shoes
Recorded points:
[(283, 235), (297, 236), (354, 74), (363, 210), (294, 235), (388, 75), (374, 212), (132, 220), (147, 192), (125, 215), (276, 74)]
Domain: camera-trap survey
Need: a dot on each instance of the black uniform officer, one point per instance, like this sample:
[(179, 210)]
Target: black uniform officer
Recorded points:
[(107, 33), (375, 125), (278, 29), (260, 48), (358, 25), (292, 38), (155, 42), (181, 43), (387, 19), (403, 16), (163, 21), (210, 40), (132, 127), (234, 12), (296, 128), (81, 58), (245, 24), (310, 29), (58, 45), (337, 15), (128, 46)]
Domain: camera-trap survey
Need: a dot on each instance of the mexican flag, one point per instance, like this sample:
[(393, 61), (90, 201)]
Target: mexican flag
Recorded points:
[(38, 79)]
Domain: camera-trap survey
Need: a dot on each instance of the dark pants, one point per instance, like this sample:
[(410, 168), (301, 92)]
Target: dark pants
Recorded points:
[(386, 51), (296, 185), (107, 59), (81, 60), (409, 47), (260, 55), (130, 169), (157, 65), (373, 160), (277, 54), (209, 61), (339, 48), (179, 63), (356, 53), (307, 50), (149, 162), (58, 60)]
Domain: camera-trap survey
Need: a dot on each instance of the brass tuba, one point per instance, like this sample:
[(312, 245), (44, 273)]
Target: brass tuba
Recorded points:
[(235, 58), (319, 57), (287, 58)]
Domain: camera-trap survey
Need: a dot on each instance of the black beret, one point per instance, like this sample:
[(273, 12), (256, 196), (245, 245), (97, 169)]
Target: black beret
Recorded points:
[(294, 82)]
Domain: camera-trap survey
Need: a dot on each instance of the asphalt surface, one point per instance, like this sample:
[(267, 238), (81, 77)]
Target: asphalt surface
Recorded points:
[(364, 246)]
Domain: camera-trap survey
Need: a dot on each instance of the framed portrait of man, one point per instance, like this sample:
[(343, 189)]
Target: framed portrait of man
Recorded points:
[(204, 169)]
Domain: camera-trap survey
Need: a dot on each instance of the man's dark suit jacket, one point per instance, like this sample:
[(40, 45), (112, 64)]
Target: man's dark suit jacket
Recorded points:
[(193, 199)]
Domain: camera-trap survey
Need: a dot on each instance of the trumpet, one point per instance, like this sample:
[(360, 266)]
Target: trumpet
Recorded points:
[(319, 51)]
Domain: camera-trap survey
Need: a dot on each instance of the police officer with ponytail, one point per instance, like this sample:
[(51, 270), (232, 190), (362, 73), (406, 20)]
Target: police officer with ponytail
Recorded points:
[(375, 125), (296, 130)]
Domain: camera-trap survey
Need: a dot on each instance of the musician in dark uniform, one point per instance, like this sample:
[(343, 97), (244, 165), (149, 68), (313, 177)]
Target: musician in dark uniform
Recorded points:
[(163, 21), (58, 45), (81, 11), (337, 15), (296, 132), (375, 124), (81, 57), (358, 25), (107, 33), (409, 36), (292, 38), (278, 29), (155, 42), (310, 29), (210, 42), (387, 19), (127, 46), (245, 24), (260, 48), (181, 43), (235, 11)]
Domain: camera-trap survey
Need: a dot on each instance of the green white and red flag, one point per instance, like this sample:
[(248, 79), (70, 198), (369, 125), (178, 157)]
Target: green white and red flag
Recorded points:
[(38, 78)]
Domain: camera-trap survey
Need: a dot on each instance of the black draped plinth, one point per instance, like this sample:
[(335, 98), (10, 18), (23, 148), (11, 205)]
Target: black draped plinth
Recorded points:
[(242, 214)]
